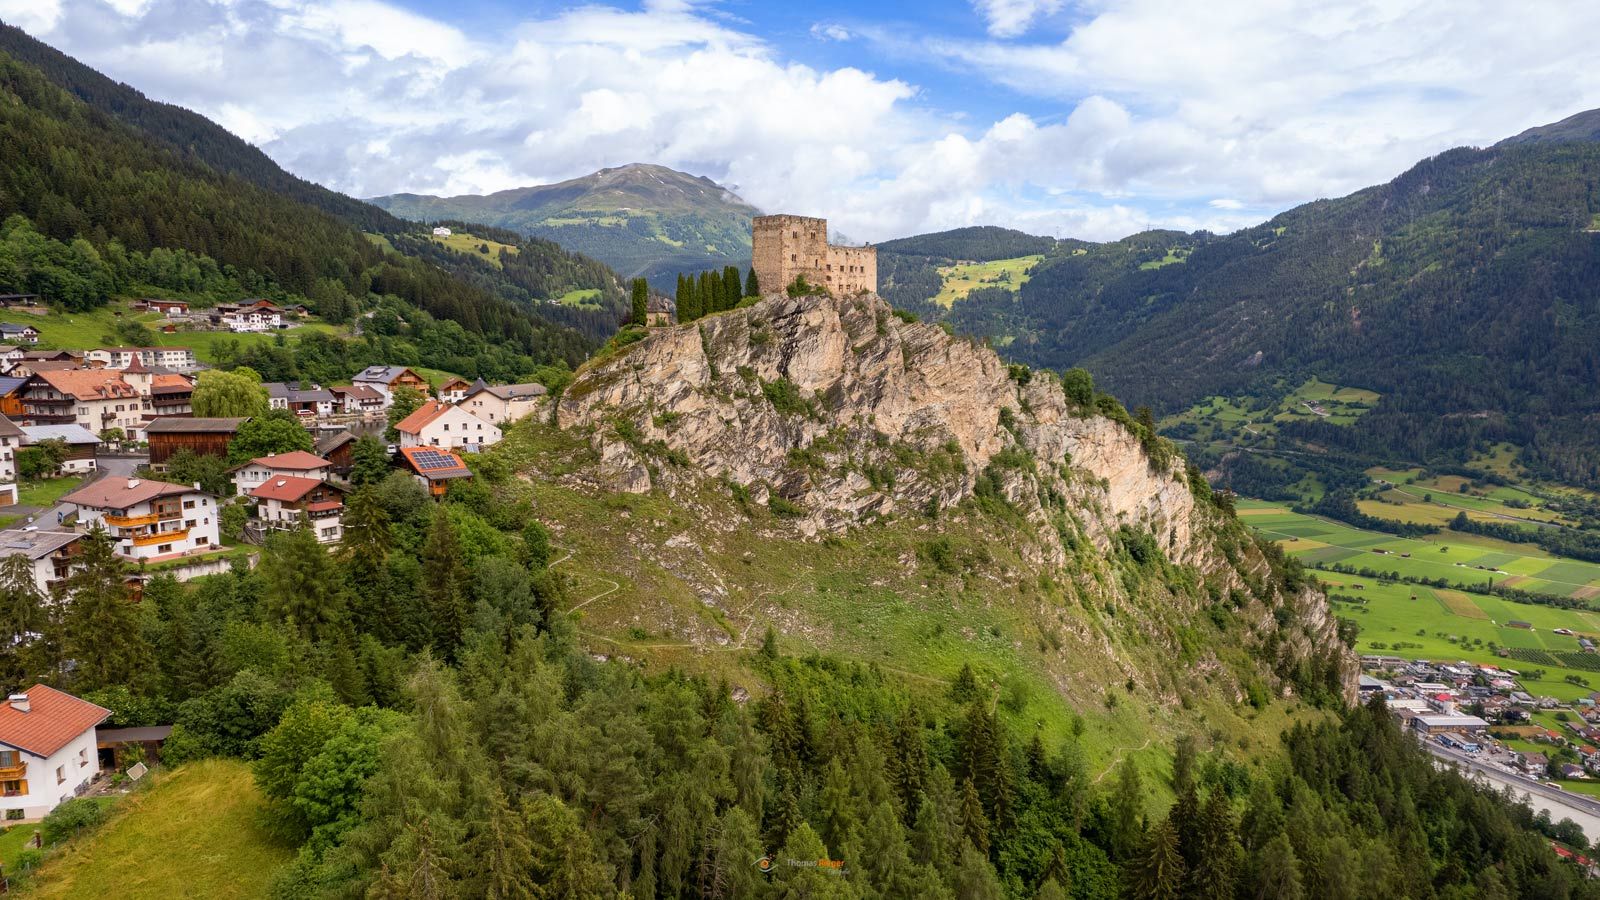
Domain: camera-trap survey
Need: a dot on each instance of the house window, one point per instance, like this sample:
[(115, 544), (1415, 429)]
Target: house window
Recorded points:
[(61, 774), (9, 758), (83, 757), (188, 523), (188, 504), (164, 548)]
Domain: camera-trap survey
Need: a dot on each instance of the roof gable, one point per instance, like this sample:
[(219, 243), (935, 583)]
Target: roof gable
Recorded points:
[(53, 720)]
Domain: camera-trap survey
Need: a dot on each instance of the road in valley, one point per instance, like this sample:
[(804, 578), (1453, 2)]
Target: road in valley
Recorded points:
[(1558, 803)]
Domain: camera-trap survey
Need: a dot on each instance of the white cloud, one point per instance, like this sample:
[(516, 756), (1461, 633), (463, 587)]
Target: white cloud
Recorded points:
[(1010, 18), (1147, 114), (31, 15)]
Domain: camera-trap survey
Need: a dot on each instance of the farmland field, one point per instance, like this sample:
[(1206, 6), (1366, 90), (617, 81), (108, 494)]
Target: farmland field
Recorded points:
[(961, 279), (471, 245), (83, 330), (1463, 559), (1419, 622)]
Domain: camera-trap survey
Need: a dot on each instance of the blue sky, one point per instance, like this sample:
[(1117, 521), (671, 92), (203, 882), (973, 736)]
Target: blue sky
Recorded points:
[(1090, 119)]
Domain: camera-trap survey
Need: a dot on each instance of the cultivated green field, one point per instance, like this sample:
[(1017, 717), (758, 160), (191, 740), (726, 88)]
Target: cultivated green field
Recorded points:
[(195, 832), (472, 245), (1458, 558), (960, 280)]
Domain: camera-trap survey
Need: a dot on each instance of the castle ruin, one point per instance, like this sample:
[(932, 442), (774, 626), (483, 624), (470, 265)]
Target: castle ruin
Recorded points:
[(785, 247)]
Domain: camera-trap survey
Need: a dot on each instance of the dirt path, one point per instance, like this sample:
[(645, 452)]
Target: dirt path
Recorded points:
[(580, 605), (1116, 760)]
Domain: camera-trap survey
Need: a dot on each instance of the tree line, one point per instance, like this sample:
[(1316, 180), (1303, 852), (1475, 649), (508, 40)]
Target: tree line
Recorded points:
[(712, 292)]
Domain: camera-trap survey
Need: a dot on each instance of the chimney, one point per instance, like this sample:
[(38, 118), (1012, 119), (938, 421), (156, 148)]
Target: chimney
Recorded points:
[(19, 702), (197, 485), (133, 483)]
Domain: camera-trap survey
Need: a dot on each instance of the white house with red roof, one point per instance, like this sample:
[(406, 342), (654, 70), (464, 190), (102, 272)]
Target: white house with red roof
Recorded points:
[(149, 520), (47, 750), (286, 501), (436, 424), (294, 464)]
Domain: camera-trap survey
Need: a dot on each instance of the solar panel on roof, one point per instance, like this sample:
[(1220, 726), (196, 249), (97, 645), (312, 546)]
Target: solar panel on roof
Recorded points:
[(433, 459)]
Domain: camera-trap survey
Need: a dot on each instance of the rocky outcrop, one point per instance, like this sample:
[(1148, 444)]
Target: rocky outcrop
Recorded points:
[(835, 412), (844, 410)]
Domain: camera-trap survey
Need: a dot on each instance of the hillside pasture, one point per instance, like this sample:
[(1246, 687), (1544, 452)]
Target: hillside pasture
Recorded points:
[(472, 245), (961, 279), (194, 832)]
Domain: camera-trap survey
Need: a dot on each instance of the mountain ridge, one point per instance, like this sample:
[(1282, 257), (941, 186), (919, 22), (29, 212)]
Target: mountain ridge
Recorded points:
[(640, 218), (1466, 290)]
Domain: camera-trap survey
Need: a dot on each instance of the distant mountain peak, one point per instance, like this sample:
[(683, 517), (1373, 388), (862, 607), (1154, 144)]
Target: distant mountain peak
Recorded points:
[(639, 218), (1583, 126)]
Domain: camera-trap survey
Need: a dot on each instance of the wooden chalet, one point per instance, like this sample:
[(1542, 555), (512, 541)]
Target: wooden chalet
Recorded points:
[(207, 437)]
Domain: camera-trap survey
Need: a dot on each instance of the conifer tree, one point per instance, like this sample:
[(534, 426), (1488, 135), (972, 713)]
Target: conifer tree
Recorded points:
[(1215, 872), (908, 763), (444, 584), (732, 290), (1156, 871), (506, 854), (303, 590), (688, 299), (22, 616), (102, 634), (1127, 811), (752, 284), (1277, 872), (974, 821), (640, 302)]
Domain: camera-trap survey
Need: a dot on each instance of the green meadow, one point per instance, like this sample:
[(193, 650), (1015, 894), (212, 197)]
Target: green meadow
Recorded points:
[(960, 280)]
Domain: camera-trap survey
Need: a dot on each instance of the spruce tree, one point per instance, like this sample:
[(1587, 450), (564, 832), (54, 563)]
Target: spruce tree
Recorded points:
[(303, 590), (1215, 872), (1156, 871), (1127, 811), (752, 285), (974, 821), (506, 854), (102, 636), (22, 616), (731, 289), (444, 584)]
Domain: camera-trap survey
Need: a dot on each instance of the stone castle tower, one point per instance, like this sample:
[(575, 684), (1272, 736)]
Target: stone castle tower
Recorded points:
[(786, 247)]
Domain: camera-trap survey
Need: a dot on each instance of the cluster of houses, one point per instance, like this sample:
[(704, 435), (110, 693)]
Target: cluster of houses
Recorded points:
[(246, 317), (154, 521), (1464, 705)]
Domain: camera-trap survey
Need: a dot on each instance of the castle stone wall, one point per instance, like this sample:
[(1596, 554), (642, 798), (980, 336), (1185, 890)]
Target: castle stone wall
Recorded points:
[(786, 247)]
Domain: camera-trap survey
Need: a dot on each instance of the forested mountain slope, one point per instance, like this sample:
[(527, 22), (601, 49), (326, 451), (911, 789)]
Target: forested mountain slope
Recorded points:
[(1466, 291), (88, 157), (640, 219)]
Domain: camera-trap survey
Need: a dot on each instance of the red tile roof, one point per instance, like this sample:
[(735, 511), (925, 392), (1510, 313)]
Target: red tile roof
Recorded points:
[(89, 384), (285, 489), (116, 492), (53, 720), (418, 420), (293, 461)]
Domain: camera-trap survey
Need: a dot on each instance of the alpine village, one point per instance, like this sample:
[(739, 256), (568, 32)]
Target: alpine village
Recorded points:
[(617, 538)]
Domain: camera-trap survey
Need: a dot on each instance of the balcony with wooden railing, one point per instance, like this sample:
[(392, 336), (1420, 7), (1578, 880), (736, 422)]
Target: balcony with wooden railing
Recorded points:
[(131, 521), (159, 537), (14, 773)]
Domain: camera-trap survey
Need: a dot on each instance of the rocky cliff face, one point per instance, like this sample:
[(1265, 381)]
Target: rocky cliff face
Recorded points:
[(835, 412)]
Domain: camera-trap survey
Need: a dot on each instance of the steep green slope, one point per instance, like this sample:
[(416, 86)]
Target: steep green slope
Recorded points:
[(189, 134), (1466, 291), (639, 219), (93, 158)]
